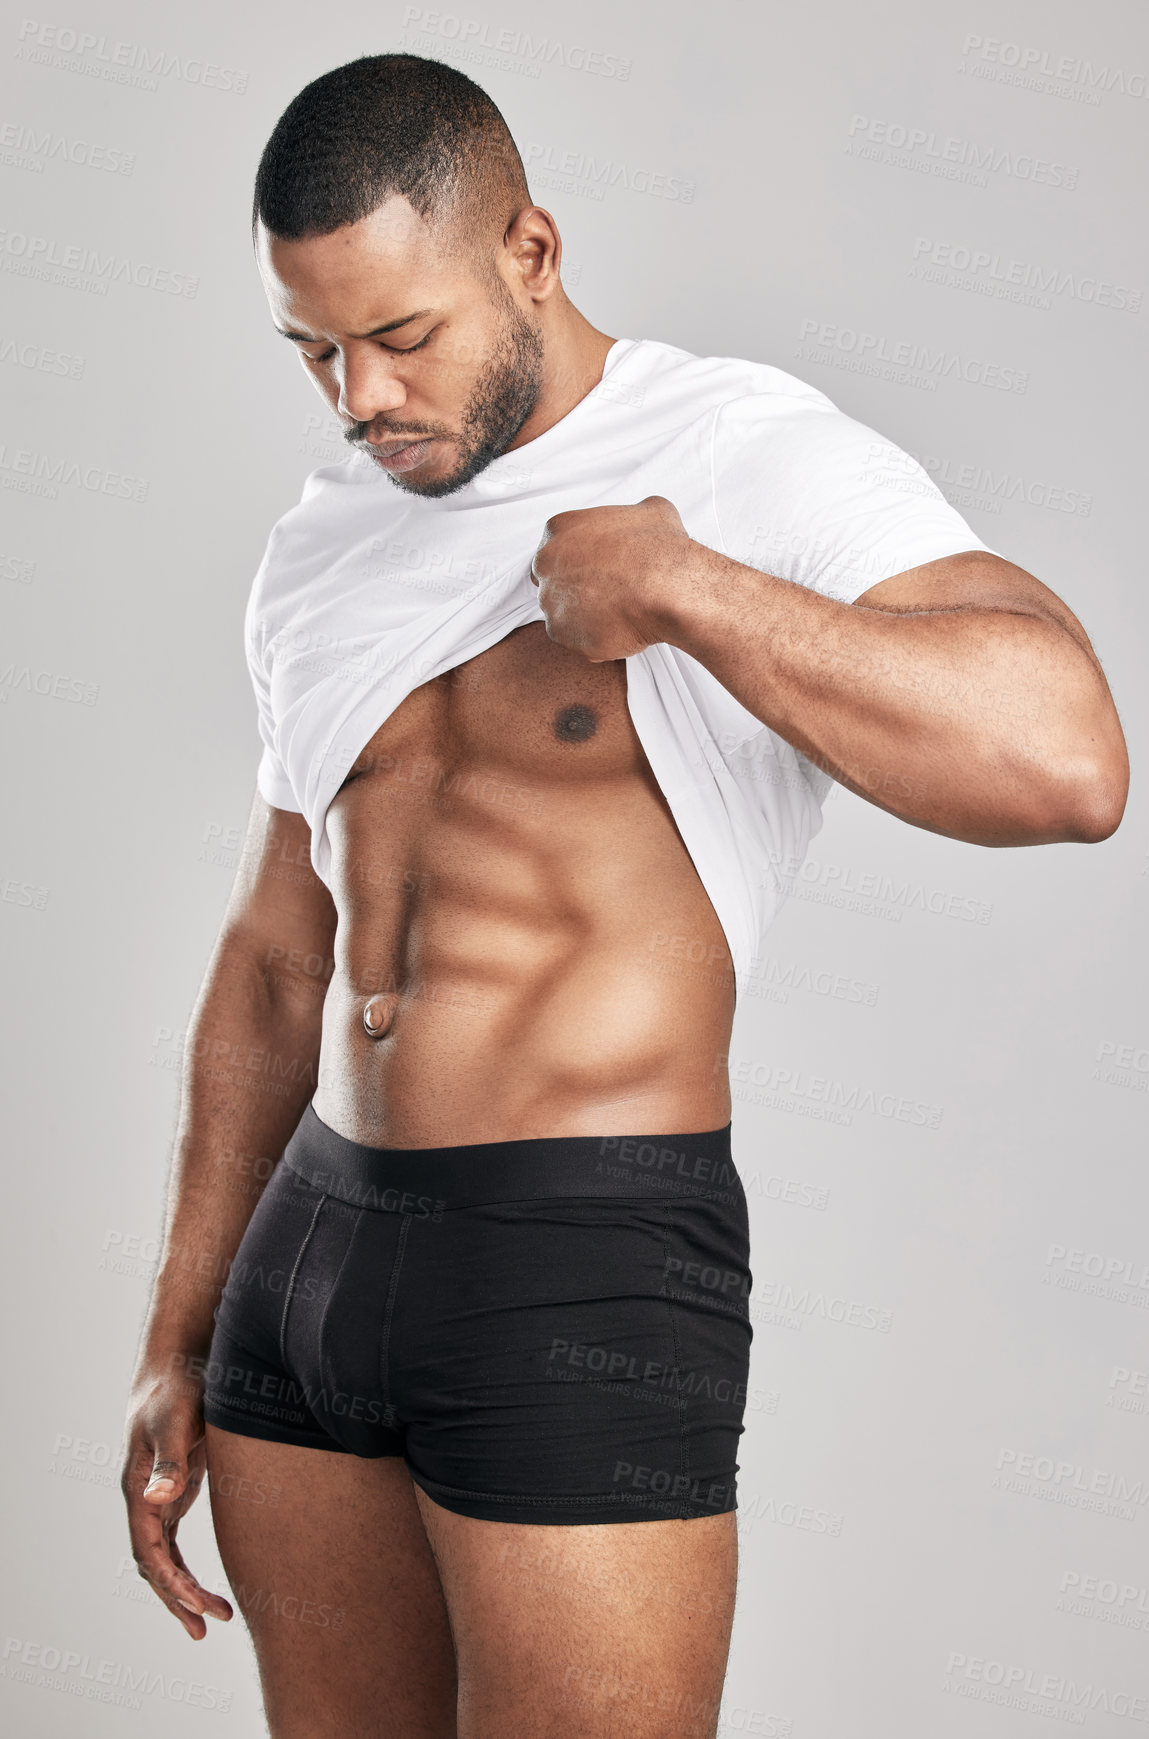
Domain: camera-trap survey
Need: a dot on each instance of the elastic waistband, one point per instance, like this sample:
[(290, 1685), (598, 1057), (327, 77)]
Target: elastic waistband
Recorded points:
[(428, 1181)]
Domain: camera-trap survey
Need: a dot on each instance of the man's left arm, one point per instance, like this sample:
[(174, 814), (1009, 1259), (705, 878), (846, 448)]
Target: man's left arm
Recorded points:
[(962, 695)]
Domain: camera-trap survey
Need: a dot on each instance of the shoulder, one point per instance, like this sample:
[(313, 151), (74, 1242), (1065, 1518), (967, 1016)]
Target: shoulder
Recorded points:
[(719, 382), (797, 430)]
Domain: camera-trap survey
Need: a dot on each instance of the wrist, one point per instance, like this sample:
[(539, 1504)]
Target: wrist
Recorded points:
[(693, 589), (170, 1342), (178, 1377)]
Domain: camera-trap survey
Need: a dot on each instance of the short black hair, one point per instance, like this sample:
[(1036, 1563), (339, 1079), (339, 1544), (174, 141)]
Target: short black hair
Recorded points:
[(383, 125)]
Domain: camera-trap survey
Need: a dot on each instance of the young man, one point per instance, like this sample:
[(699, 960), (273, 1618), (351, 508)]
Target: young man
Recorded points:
[(552, 674)]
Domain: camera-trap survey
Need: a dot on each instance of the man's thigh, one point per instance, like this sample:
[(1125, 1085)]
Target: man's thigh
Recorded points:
[(589, 1631), (330, 1566)]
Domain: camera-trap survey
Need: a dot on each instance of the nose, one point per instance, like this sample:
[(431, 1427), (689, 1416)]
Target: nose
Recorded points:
[(368, 387)]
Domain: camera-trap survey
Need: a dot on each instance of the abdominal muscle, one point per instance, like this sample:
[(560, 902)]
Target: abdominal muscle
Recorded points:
[(524, 947)]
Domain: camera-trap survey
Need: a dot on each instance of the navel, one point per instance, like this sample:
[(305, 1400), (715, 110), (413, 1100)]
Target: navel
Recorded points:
[(378, 1015), (576, 723)]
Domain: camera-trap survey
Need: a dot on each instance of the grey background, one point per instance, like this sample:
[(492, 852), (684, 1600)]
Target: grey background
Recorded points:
[(930, 1479)]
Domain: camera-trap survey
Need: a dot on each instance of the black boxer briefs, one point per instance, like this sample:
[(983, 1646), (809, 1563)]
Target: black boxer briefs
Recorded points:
[(549, 1331)]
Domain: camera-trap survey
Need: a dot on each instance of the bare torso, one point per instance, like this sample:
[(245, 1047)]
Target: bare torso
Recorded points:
[(524, 947)]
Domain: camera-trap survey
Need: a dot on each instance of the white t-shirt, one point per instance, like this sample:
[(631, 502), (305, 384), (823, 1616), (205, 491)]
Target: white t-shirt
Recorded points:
[(367, 591)]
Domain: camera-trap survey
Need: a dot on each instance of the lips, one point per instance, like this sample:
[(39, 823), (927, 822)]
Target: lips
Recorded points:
[(399, 455), (388, 449)]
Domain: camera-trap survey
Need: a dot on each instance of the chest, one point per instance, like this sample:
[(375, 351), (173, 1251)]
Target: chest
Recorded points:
[(535, 711)]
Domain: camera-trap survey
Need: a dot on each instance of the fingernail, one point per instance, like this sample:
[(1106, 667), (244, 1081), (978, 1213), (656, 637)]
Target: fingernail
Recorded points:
[(155, 1484)]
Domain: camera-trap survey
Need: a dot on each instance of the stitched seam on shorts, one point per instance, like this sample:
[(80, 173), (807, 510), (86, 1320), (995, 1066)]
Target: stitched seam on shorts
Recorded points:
[(291, 1283), (683, 1445), (326, 1367), (389, 1311)]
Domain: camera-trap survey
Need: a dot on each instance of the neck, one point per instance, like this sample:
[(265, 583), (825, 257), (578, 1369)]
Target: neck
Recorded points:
[(574, 355)]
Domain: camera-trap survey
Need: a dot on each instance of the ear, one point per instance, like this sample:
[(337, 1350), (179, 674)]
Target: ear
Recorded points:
[(533, 251)]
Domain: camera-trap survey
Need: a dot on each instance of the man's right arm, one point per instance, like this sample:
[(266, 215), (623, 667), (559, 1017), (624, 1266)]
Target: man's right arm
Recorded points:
[(250, 1066)]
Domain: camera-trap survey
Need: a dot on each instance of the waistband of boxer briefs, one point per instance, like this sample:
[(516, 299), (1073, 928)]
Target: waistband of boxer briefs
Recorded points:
[(431, 1180)]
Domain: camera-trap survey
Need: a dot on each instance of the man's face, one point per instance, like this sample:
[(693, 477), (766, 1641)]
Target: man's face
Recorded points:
[(431, 369)]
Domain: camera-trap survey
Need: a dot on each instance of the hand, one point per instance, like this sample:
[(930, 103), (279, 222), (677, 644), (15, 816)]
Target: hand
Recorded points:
[(163, 1469), (606, 574)]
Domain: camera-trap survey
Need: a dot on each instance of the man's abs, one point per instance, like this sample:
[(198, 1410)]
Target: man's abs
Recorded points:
[(524, 947)]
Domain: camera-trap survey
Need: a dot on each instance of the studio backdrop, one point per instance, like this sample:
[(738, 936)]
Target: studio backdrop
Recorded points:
[(936, 216)]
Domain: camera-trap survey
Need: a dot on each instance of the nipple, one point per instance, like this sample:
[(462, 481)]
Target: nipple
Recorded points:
[(575, 723), (378, 1015)]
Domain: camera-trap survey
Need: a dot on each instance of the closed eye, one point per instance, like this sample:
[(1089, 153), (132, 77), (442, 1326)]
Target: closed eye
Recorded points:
[(394, 349)]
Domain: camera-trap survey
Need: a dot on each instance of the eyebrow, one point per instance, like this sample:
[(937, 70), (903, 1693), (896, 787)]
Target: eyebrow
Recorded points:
[(375, 332)]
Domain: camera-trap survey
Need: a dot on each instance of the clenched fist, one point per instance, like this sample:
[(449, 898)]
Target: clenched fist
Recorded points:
[(607, 576)]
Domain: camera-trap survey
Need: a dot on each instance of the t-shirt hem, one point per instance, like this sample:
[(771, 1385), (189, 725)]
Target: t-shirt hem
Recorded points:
[(277, 792)]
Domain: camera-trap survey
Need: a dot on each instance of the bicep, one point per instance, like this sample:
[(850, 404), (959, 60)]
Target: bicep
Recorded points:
[(973, 580)]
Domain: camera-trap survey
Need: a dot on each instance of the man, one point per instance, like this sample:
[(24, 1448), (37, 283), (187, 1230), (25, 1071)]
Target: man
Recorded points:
[(471, 1410)]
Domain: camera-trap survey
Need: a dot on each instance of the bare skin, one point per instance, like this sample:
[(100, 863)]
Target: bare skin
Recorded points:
[(423, 1624), (491, 969), (339, 1588), (508, 877)]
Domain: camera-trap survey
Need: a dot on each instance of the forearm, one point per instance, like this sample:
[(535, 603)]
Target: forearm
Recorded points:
[(976, 723), (250, 1065)]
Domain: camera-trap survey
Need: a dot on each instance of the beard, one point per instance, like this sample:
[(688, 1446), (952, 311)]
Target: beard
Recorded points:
[(501, 400)]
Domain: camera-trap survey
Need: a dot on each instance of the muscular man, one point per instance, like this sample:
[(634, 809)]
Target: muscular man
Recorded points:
[(552, 674)]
